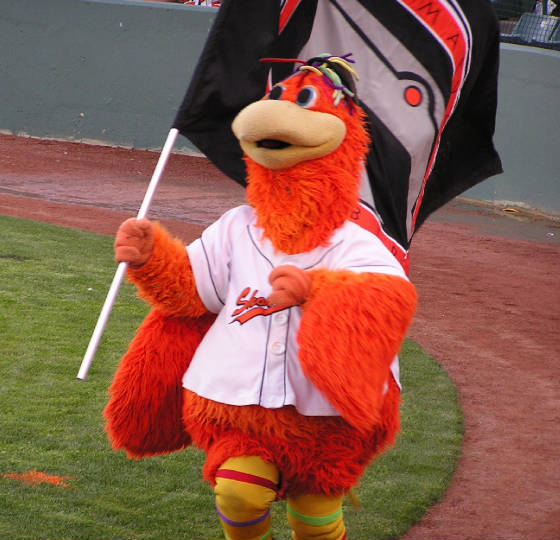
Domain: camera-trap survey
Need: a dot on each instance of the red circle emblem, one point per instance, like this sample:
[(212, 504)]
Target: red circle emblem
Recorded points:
[(413, 96)]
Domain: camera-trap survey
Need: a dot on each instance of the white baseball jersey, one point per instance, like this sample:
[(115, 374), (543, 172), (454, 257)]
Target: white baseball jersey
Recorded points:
[(250, 354)]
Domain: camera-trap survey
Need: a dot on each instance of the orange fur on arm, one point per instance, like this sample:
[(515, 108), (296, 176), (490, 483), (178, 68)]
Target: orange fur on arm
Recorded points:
[(352, 327), (166, 281), (144, 411)]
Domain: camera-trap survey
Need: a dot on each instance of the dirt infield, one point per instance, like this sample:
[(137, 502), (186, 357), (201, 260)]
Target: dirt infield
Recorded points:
[(489, 289)]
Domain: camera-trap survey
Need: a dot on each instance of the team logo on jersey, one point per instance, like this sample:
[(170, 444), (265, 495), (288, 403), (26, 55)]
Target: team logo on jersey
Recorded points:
[(251, 305)]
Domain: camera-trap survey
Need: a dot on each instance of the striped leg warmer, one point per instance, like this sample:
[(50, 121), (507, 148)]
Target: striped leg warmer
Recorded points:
[(245, 489), (316, 517)]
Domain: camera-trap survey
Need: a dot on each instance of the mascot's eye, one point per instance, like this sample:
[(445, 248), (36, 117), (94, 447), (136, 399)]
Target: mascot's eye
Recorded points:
[(306, 97), (276, 92)]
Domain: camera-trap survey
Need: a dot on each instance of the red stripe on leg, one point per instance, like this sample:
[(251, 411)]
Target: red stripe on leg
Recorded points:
[(246, 477)]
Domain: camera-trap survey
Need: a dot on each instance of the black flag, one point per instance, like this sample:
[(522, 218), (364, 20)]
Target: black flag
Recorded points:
[(428, 82)]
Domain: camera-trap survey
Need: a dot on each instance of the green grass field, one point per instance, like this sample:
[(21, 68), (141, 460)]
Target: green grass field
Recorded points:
[(53, 282)]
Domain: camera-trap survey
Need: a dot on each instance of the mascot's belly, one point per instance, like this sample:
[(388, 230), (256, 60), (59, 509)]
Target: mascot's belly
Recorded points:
[(314, 454)]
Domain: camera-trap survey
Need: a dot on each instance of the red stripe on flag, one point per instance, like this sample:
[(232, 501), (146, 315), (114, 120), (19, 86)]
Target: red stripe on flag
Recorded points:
[(440, 20), (287, 10)]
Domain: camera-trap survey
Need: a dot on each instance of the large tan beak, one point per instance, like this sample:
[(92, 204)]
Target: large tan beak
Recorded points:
[(280, 134)]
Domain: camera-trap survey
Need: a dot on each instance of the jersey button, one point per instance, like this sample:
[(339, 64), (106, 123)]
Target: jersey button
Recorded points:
[(277, 347), (281, 318)]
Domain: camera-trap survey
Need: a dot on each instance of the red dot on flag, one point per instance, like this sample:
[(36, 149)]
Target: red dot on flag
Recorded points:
[(413, 96)]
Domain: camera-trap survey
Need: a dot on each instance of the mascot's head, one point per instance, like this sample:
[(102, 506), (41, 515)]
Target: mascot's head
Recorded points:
[(304, 145)]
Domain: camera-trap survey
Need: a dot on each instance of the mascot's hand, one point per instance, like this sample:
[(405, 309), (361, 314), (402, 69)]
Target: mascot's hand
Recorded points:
[(290, 285), (134, 242)]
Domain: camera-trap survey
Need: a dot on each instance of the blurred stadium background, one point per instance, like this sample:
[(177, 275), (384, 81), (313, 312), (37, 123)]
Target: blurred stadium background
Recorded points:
[(530, 22)]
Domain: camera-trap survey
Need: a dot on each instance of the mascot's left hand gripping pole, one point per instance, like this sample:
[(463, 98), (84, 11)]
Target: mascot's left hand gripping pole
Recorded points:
[(121, 269)]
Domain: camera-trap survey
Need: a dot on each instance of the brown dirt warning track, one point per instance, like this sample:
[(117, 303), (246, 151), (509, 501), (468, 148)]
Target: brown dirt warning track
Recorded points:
[(489, 313)]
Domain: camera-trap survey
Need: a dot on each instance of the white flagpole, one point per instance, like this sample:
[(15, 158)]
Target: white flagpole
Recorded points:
[(121, 269)]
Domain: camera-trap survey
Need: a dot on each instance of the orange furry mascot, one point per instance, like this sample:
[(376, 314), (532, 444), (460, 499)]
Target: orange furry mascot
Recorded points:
[(272, 340)]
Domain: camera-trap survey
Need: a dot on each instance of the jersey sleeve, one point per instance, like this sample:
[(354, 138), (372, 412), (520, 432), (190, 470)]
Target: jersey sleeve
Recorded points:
[(210, 257)]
